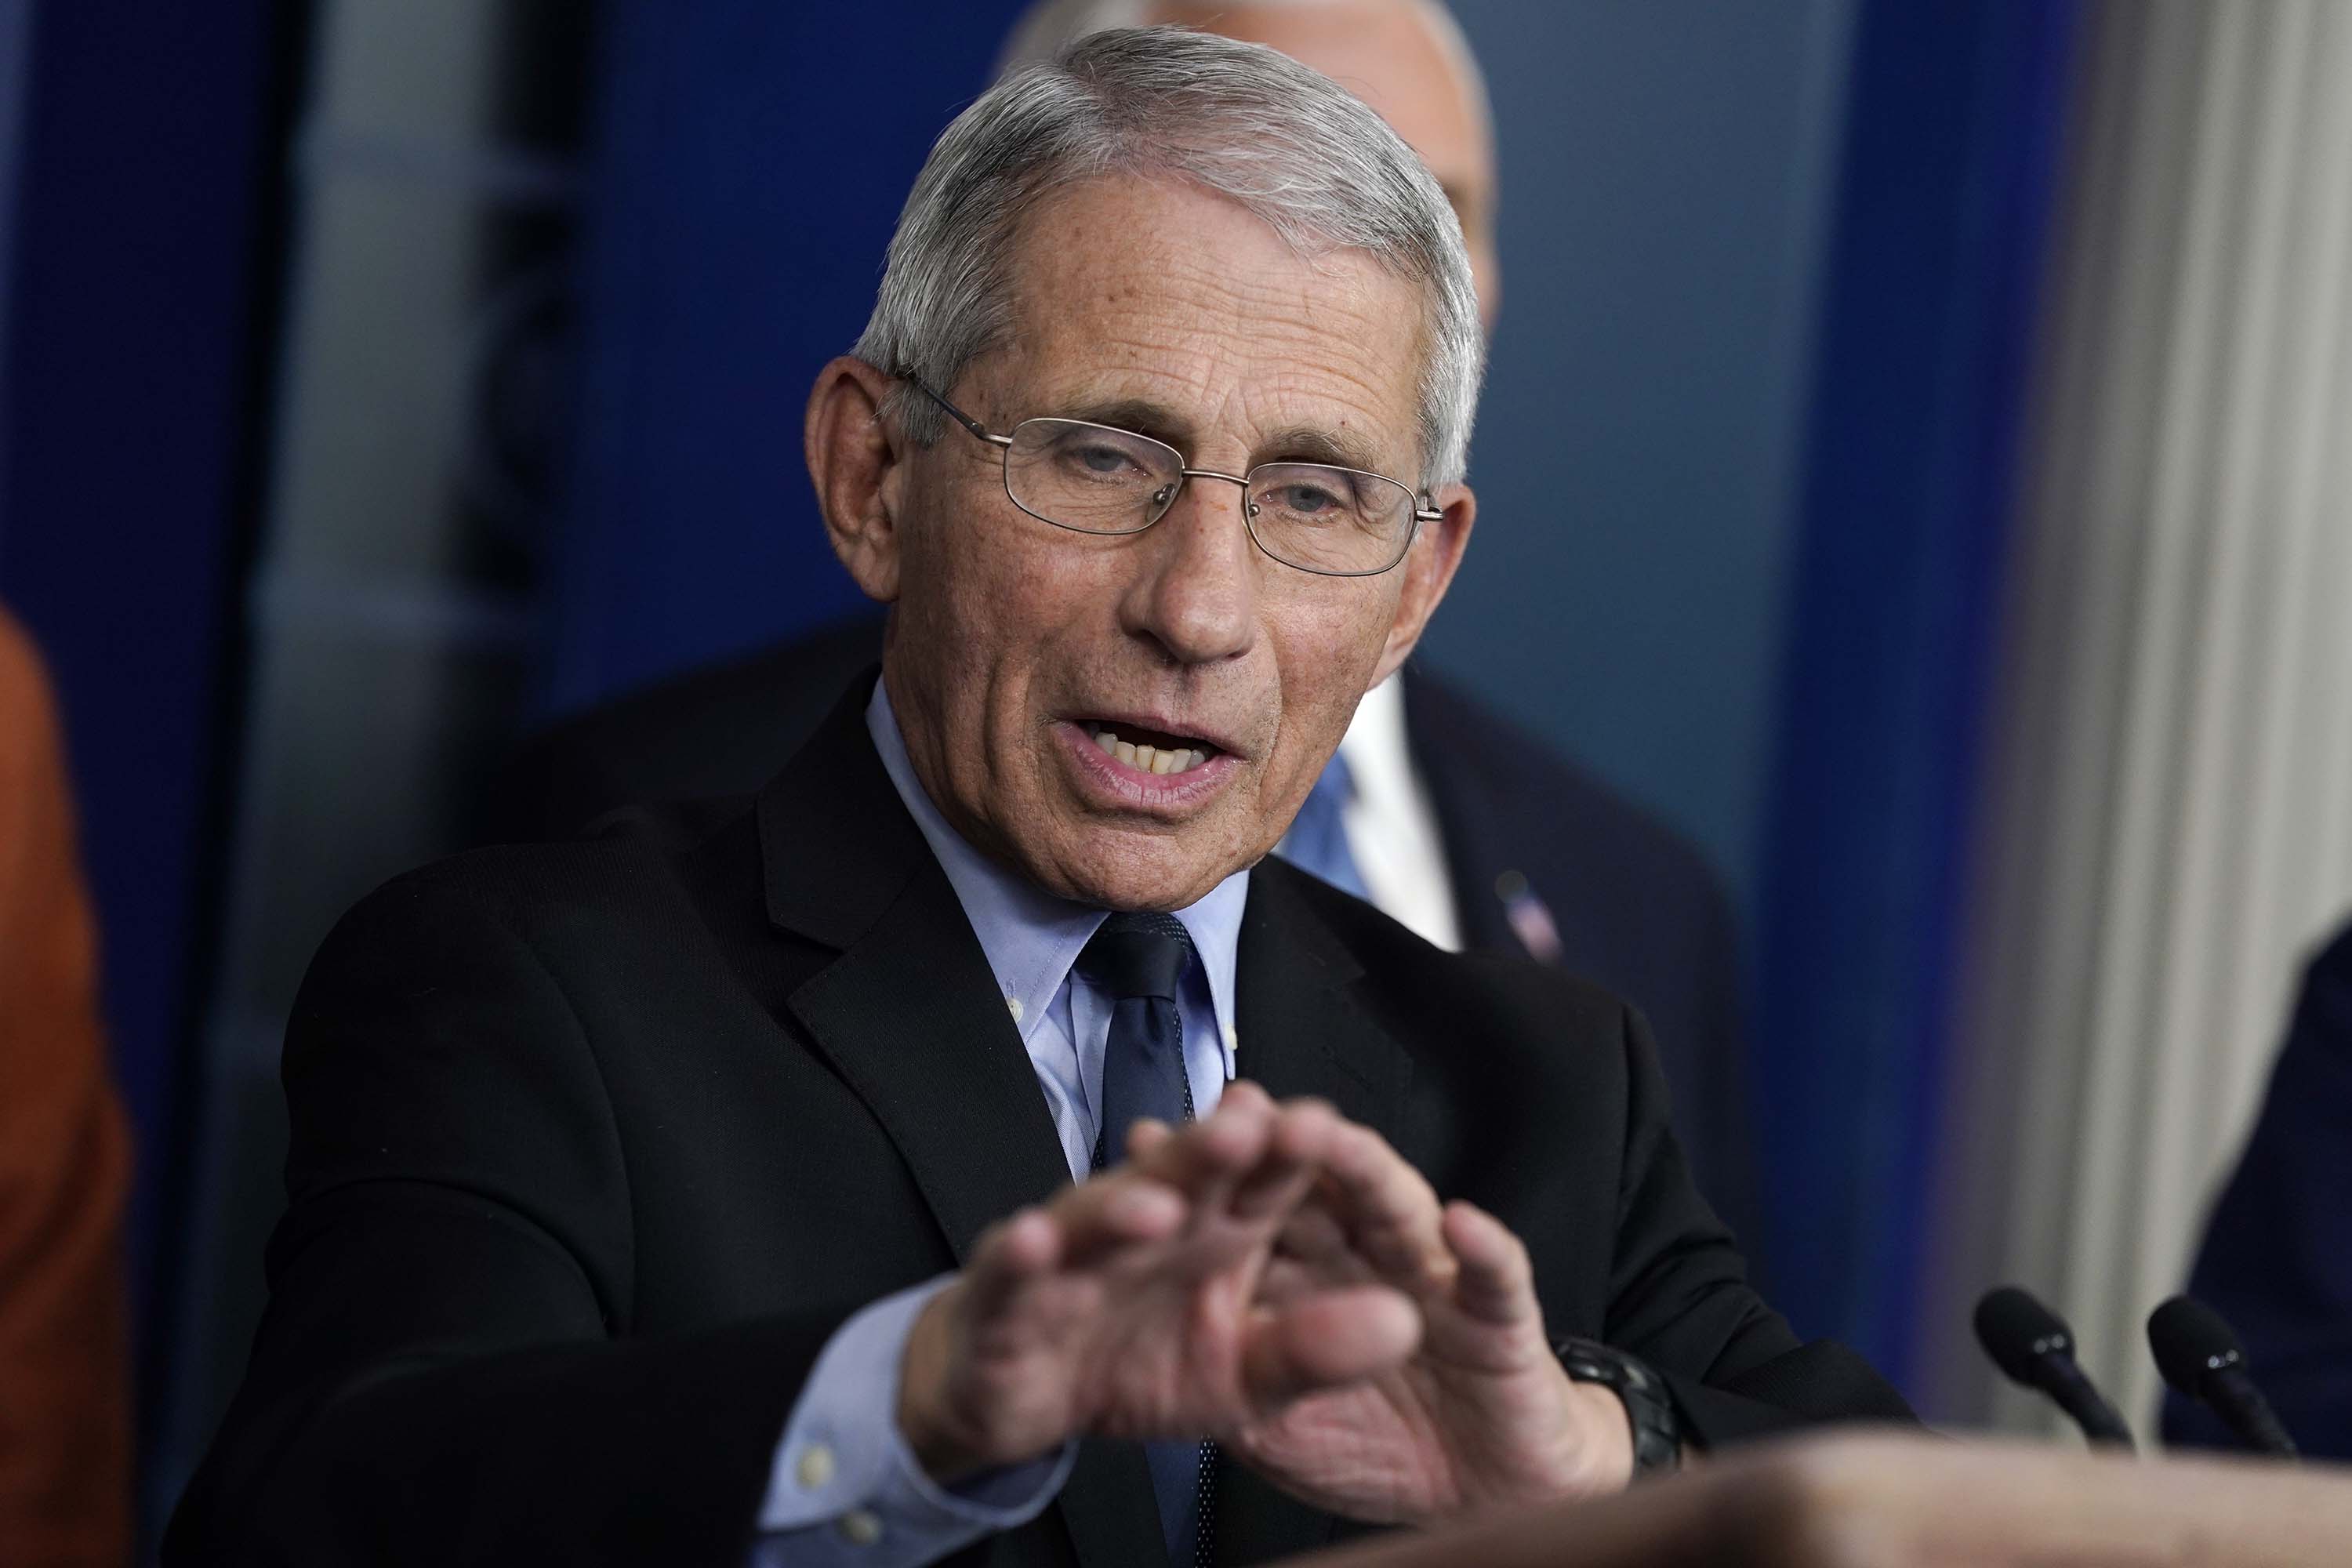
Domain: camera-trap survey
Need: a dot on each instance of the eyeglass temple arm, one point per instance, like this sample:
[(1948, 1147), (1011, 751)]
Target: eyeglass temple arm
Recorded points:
[(958, 414)]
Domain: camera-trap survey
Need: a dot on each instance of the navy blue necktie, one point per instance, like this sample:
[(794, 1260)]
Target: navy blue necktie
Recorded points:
[(1138, 961), (1317, 839)]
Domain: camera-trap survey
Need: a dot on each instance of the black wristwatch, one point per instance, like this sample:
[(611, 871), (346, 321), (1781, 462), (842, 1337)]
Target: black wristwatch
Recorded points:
[(1658, 1434)]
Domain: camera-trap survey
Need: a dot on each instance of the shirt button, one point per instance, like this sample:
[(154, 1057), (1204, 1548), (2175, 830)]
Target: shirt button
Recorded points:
[(815, 1468), (860, 1528), (1233, 1038), (1013, 1005)]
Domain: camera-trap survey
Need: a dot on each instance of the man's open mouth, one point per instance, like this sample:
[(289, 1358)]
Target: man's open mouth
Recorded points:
[(1152, 751)]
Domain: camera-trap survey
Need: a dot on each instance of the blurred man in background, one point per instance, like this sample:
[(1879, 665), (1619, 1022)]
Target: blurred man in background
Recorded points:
[(1447, 817), (65, 1166)]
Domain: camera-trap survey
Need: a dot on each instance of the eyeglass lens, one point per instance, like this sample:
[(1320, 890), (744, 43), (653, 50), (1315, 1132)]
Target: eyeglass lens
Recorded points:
[(1094, 478)]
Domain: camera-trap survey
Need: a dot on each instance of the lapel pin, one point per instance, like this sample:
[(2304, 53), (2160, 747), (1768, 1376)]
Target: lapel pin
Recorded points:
[(1529, 917)]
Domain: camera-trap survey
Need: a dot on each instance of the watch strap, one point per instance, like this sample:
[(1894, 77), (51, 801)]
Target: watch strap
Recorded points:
[(1657, 1431)]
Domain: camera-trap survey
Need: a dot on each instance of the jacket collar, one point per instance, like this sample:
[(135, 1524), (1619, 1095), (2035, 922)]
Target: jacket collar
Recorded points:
[(836, 848)]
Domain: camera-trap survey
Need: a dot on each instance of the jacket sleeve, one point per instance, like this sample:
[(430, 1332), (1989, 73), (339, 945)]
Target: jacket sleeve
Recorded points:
[(2276, 1260), (65, 1167), (446, 1372), (1679, 1298)]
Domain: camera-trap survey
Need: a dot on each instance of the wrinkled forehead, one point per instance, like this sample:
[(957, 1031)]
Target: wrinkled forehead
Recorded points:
[(1137, 294)]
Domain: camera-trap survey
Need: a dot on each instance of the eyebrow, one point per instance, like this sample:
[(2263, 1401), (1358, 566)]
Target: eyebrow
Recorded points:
[(1292, 444), (1307, 444), (1141, 416)]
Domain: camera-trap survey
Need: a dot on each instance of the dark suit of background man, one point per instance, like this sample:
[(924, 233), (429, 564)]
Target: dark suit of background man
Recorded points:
[(869, 1175), (1459, 825), (2278, 1256)]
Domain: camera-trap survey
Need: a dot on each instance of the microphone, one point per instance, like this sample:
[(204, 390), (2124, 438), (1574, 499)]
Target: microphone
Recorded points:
[(2200, 1357), (2032, 1345)]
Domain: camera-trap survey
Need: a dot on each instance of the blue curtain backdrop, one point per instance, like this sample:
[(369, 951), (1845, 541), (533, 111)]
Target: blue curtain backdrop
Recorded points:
[(142, 265), (1952, 147), (750, 162)]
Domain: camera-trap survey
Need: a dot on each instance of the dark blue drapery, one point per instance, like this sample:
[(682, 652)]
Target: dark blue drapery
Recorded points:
[(1952, 146)]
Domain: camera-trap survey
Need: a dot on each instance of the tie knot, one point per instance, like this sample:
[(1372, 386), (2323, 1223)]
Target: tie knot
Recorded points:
[(1137, 955)]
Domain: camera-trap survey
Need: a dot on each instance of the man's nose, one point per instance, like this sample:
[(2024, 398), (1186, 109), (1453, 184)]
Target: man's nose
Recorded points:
[(1196, 583)]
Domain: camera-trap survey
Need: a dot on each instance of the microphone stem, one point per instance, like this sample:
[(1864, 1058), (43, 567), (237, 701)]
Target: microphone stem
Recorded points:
[(2241, 1407), (2077, 1395)]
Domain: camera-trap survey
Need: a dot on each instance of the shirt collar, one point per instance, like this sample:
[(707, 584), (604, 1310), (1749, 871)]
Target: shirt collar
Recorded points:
[(1030, 937), (1380, 759)]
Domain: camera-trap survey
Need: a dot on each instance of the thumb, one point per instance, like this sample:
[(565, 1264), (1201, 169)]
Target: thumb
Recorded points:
[(1324, 1341)]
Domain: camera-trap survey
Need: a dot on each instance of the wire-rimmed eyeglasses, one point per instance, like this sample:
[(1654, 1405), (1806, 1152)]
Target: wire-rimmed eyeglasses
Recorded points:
[(1097, 479)]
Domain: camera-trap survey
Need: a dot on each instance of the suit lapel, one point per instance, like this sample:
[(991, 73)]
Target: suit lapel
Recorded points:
[(1300, 1034), (1300, 1030), (912, 1018), (909, 1014)]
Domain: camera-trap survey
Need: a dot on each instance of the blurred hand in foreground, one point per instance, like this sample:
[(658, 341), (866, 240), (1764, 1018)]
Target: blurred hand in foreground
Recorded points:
[(1133, 1304), (1281, 1279), (1481, 1415)]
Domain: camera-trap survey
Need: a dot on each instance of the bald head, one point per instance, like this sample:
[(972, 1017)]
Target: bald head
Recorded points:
[(1405, 58)]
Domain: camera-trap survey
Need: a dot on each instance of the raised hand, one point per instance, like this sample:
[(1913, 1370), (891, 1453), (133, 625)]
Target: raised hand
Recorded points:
[(1132, 1304), (1481, 1415)]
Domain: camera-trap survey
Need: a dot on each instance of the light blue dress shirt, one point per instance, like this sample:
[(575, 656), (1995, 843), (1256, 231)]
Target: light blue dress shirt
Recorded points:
[(845, 1488)]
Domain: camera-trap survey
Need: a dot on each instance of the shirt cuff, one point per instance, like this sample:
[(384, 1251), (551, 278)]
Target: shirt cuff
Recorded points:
[(844, 1487)]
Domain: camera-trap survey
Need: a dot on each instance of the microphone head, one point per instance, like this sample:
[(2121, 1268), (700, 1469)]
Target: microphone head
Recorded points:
[(2018, 1332), (2191, 1341)]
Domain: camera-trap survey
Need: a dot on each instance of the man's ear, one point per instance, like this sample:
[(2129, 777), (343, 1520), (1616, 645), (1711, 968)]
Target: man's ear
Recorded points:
[(1428, 568), (857, 462)]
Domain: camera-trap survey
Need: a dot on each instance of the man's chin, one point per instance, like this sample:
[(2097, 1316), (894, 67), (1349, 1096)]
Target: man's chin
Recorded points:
[(1116, 871)]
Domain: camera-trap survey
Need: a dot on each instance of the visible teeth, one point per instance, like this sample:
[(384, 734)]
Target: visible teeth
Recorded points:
[(1150, 759)]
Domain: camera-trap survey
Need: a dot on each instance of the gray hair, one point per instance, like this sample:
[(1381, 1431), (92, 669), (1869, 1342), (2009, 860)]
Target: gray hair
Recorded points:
[(1291, 146)]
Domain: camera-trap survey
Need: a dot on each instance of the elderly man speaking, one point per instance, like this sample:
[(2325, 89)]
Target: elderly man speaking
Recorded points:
[(976, 1144)]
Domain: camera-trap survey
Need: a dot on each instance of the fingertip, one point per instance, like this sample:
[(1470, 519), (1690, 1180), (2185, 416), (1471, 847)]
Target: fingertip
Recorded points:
[(1472, 1223), (1333, 1338), (1305, 1129), (1234, 1135), (1144, 1209), (1029, 1243), (1393, 1323), (1246, 1102), (1146, 1133), (1243, 1091), (1496, 1273)]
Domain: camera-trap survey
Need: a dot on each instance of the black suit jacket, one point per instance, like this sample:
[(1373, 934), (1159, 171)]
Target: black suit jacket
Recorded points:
[(595, 1144), (1636, 906)]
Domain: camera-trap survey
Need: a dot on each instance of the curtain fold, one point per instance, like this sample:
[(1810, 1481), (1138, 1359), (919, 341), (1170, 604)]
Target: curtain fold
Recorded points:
[(2168, 825)]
